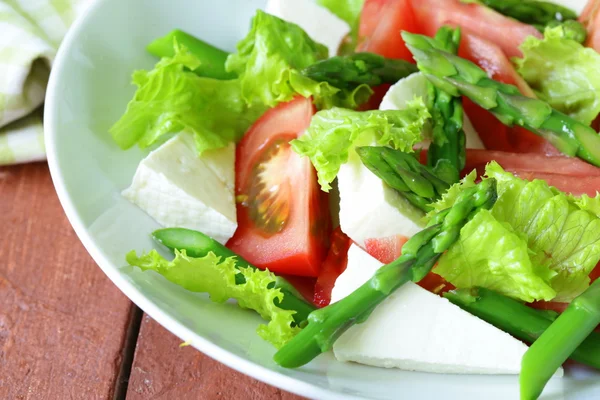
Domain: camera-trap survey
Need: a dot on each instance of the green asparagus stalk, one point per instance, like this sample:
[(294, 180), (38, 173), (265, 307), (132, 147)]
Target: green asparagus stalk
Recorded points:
[(419, 255), (197, 244), (519, 320), (559, 341), (212, 59), (447, 152), (348, 72), (402, 172), (458, 76), (531, 12)]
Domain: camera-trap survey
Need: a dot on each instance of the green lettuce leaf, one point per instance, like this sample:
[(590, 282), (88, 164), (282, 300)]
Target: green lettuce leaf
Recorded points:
[(561, 233), (268, 61), (216, 276), (561, 236), (587, 203), (334, 133), (563, 73), (491, 255), (170, 99), (449, 198)]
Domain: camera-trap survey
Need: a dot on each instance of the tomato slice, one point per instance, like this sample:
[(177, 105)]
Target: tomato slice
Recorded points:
[(473, 19), (477, 159), (376, 98), (283, 216), (590, 18), (334, 265), (381, 22)]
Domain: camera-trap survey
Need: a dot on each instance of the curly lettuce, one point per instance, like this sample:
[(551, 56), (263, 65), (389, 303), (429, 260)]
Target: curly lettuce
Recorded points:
[(334, 133), (268, 61), (563, 73), (561, 234), (216, 276), (170, 98)]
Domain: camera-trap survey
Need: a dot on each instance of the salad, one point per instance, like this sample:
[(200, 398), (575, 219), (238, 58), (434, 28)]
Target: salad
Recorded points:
[(409, 183)]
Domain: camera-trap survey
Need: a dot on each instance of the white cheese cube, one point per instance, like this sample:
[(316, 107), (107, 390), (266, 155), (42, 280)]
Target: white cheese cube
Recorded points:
[(370, 209), (178, 188), (416, 330), (318, 22), (416, 85)]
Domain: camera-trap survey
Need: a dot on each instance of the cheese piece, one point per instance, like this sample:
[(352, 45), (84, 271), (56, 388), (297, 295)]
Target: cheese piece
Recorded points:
[(178, 188), (416, 330), (318, 22), (370, 209), (415, 85)]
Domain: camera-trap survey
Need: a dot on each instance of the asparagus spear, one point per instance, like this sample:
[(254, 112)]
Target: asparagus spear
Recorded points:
[(212, 59), (401, 171), (419, 255), (197, 244), (531, 12), (447, 151), (559, 341), (519, 320), (348, 72), (458, 76)]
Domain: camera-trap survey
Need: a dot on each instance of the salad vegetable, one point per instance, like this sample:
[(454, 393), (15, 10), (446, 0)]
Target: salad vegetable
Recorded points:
[(419, 255), (217, 276), (474, 172), (198, 245), (519, 320), (559, 341), (334, 133), (461, 77), (211, 60)]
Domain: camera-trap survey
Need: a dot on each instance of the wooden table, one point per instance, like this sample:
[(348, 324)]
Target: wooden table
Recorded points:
[(66, 332)]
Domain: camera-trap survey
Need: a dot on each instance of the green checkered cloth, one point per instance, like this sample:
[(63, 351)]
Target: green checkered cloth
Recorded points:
[(30, 32)]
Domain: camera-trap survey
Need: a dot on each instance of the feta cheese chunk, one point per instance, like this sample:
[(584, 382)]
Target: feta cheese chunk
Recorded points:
[(319, 23), (178, 188), (416, 85), (416, 330), (369, 208)]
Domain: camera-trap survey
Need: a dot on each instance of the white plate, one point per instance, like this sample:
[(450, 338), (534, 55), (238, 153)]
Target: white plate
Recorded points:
[(89, 89)]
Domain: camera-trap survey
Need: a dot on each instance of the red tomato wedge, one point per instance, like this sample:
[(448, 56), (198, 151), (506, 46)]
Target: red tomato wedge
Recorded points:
[(380, 24), (570, 175), (387, 249), (473, 19), (590, 18), (334, 265), (283, 216), (376, 98)]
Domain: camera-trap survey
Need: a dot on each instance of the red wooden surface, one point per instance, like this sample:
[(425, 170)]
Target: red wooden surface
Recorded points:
[(66, 332)]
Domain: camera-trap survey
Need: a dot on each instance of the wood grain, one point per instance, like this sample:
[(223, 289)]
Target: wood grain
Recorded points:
[(163, 370), (62, 322)]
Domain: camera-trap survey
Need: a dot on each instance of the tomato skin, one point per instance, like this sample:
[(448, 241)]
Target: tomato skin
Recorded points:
[(473, 19), (334, 265), (300, 247), (590, 18), (477, 159), (381, 22), (376, 98)]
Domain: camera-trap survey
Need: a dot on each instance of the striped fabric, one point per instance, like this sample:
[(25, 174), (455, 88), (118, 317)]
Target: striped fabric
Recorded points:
[(30, 32)]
